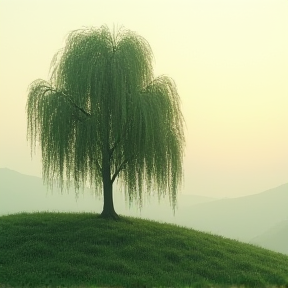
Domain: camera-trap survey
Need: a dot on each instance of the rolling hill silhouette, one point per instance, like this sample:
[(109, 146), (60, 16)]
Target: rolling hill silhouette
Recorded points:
[(275, 239), (240, 218), (24, 193)]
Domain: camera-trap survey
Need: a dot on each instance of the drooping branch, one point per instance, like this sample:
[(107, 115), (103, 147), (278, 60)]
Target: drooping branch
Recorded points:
[(114, 146), (120, 168), (76, 106), (50, 89), (118, 140)]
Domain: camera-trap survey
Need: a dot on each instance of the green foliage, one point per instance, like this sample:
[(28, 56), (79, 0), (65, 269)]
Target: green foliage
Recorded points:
[(103, 104), (82, 250)]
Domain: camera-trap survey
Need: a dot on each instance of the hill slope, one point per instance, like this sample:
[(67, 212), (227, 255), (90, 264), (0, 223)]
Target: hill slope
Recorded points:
[(55, 249)]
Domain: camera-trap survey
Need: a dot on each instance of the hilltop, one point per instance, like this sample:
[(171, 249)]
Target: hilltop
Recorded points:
[(83, 250)]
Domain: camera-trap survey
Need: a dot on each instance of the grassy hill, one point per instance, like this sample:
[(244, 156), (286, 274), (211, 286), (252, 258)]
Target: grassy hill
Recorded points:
[(83, 250)]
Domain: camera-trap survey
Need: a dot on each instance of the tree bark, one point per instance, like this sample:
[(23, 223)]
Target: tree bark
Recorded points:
[(108, 207)]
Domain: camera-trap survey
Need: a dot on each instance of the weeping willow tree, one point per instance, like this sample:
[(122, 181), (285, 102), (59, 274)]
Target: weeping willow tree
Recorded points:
[(103, 116)]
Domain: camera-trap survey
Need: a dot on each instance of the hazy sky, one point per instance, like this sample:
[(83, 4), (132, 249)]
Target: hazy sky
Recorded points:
[(229, 60)]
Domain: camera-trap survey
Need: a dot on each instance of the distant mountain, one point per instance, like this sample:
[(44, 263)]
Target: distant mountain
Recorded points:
[(19, 193), (240, 218), (246, 218), (23, 193), (275, 239)]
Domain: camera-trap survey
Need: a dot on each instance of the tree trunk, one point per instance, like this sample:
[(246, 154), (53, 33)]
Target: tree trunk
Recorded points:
[(108, 207)]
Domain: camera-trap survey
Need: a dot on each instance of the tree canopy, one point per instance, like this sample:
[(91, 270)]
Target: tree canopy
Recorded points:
[(102, 109)]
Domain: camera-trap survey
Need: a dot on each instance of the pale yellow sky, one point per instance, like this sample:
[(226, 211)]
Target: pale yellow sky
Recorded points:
[(228, 58)]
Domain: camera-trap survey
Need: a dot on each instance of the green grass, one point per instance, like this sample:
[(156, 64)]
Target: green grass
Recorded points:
[(83, 250)]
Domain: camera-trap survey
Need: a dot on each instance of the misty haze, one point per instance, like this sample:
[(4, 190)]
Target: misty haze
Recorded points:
[(174, 112)]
